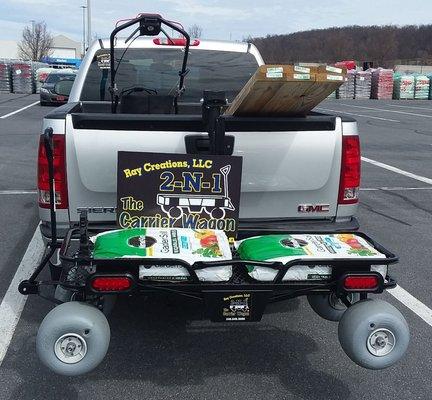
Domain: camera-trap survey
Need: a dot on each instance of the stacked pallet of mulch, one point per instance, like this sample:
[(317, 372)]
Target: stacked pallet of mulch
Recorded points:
[(404, 86), (41, 72), (382, 84), (22, 77), (422, 85), (363, 84), (347, 90), (5, 78), (430, 86)]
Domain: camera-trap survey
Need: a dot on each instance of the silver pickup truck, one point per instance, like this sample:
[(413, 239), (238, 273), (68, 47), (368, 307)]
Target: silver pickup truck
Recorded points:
[(298, 173)]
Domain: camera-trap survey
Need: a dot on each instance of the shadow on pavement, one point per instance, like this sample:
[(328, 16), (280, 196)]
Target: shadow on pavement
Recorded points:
[(165, 343)]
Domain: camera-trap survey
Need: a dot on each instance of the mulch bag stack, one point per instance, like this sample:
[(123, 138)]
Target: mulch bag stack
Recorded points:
[(382, 84), (404, 86), (363, 84), (347, 90), (22, 77), (5, 78), (430, 86), (41, 74), (422, 85)]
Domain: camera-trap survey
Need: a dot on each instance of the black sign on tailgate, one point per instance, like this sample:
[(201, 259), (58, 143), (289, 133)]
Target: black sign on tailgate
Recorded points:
[(176, 190)]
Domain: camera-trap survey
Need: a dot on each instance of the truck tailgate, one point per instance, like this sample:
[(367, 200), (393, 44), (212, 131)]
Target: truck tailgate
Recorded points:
[(283, 170)]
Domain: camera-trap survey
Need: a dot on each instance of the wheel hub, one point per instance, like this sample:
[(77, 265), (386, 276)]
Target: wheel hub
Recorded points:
[(70, 348), (381, 342)]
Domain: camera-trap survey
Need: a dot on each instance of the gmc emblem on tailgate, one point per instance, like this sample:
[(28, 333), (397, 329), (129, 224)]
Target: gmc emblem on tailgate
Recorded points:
[(313, 208)]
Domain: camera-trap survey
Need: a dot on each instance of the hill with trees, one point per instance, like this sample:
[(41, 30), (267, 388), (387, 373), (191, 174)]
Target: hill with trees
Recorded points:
[(384, 45)]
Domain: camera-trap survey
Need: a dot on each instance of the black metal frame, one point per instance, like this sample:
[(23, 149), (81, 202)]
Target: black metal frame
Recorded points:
[(148, 25), (210, 293)]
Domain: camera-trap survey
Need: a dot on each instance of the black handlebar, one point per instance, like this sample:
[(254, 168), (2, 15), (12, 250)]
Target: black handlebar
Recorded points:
[(149, 25)]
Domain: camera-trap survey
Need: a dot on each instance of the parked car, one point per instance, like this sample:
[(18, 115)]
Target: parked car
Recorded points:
[(47, 95)]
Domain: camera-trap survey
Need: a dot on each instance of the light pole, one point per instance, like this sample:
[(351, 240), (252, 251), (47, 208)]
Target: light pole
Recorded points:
[(89, 38), (84, 31)]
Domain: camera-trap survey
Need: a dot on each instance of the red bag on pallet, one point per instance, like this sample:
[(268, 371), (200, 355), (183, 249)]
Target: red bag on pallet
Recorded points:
[(382, 84)]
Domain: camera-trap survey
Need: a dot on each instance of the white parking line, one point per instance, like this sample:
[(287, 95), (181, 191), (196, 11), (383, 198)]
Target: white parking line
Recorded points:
[(19, 110), (415, 305), (357, 115), (390, 111), (10, 192), (13, 302), (414, 107), (398, 171), (395, 189)]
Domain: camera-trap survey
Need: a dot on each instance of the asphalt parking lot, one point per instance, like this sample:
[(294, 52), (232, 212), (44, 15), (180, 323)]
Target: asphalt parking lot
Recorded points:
[(162, 350)]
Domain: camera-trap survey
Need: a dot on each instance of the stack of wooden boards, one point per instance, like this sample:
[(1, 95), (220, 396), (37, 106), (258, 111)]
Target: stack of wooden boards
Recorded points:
[(286, 90)]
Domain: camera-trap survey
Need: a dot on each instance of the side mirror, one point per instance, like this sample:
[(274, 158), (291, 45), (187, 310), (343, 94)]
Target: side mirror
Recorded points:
[(64, 87)]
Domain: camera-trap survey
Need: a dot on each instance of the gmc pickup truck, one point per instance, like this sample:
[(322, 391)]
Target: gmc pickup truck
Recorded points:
[(298, 173)]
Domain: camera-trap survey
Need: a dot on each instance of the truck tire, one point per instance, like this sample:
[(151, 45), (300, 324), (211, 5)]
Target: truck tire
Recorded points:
[(73, 339), (328, 306), (374, 334)]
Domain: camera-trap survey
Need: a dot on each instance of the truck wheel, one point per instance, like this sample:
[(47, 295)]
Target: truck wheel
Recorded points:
[(330, 307), (374, 334), (73, 338)]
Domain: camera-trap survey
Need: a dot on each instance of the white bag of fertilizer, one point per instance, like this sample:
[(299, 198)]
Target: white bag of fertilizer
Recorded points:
[(171, 243), (285, 248)]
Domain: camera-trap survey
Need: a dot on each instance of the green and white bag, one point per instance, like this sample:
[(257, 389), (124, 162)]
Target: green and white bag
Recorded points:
[(285, 248), (186, 244)]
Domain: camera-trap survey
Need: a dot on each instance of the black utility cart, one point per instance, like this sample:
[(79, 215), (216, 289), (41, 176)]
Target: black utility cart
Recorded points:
[(74, 337)]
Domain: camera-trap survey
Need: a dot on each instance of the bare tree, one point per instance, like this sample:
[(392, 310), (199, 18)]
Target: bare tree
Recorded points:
[(36, 42), (195, 31)]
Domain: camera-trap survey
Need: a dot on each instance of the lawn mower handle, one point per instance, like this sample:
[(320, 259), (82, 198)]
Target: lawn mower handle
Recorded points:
[(151, 20)]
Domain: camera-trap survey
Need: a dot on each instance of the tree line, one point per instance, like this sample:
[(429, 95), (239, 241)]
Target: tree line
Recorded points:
[(383, 45)]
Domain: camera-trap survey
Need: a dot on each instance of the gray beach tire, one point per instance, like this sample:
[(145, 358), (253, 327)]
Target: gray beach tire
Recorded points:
[(328, 306), (374, 334), (73, 338)]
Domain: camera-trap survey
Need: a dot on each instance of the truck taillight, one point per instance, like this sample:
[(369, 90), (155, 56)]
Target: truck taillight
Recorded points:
[(350, 171), (60, 182), (111, 283)]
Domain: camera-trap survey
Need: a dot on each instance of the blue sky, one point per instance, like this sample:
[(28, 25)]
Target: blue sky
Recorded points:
[(220, 19)]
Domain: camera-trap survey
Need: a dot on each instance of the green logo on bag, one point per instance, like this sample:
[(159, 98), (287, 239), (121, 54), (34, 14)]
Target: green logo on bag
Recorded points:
[(293, 243), (143, 242)]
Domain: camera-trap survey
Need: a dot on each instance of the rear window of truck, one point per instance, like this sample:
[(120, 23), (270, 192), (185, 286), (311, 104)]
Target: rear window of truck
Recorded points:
[(157, 69)]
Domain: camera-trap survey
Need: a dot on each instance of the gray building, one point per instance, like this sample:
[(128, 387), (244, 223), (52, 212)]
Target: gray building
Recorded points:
[(63, 47)]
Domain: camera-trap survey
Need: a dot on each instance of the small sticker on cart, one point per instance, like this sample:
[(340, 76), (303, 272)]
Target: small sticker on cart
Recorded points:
[(236, 307), (103, 61)]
